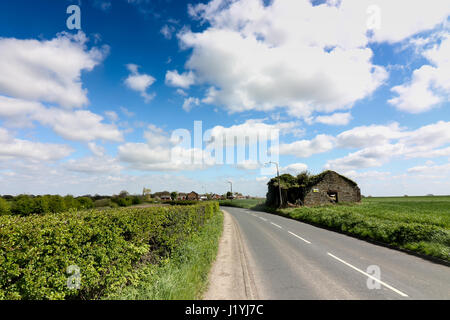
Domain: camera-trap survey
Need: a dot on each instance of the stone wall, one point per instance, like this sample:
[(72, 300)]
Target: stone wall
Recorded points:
[(332, 182)]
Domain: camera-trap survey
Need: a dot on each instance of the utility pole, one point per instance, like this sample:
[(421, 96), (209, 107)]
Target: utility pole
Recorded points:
[(279, 182), (231, 184)]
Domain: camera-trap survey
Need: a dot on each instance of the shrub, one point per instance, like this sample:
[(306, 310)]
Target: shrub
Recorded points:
[(101, 203), (136, 200), (107, 246)]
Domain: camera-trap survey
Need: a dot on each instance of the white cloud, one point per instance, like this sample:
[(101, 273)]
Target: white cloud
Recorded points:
[(47, 70), (365, 158), (94, 165), (79, 125), (12, 148), (167, 31), (336, 119), (365, 136), (97, 150), (139, 82), (112, 115), (396, 26), (256, 129), (430, 84), (306, 148), (184, 80), (431, 169), (381, 144), (189, 103), (294, 168), (126, 112), (290, 54)]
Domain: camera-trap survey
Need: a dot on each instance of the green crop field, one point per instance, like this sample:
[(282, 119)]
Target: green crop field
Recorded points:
[(420, 224)]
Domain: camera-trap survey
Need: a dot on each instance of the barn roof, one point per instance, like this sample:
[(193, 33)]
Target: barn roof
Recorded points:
[(305, 180)]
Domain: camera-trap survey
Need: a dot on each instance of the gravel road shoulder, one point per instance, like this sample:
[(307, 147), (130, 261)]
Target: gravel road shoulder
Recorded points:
[(230, 277)]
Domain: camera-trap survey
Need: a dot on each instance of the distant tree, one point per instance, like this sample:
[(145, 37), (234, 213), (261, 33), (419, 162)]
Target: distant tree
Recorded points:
[(40, 205), (146, 193), (85, 202), (22, 205), (69, 202), (4, 207), (56, 204), (123, 194), (174, 195), (229, 194), (136, 200)]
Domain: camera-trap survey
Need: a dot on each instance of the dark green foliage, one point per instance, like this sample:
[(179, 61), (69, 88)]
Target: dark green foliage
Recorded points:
[(5, 207), (107, 246), (56, 204), (85, 203), (40, 205), (136, 200), (22, 205), (101, 203)]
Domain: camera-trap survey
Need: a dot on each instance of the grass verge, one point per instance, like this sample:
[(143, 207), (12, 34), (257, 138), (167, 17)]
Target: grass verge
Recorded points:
[(182, 276), (419, 225)]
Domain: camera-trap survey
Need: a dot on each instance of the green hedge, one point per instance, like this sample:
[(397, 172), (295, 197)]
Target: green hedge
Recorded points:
[(107, 246)]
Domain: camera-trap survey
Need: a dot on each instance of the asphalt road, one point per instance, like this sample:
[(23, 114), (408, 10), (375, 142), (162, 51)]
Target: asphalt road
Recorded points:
[(287, 259)]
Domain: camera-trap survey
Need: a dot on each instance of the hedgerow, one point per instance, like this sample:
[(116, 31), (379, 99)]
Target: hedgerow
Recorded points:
[(107, 246)]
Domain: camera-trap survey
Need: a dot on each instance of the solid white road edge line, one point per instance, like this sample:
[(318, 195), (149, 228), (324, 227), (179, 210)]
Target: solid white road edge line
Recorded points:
[(368, 275), (299, 237), (276, 225)]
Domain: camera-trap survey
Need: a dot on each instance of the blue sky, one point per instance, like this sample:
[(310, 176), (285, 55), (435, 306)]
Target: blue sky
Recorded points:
[(358, 87)]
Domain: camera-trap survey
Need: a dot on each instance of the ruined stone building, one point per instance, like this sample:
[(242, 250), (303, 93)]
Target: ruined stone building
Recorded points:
[(329, 187)]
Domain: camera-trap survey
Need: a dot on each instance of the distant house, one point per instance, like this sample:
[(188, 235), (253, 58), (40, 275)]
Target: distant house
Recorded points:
[(192, 196), (181, 196), (164, 196), (203, 197), (216, 197)]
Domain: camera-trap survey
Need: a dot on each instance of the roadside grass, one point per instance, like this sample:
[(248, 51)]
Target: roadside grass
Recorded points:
[(182, 276), (419, 224)]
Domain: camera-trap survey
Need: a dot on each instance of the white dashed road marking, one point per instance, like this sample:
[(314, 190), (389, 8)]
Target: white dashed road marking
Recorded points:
[(299, 237), (276, 225), (368, 275)]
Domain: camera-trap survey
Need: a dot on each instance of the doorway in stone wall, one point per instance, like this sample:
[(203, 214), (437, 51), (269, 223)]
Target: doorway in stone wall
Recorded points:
[(333, 195)]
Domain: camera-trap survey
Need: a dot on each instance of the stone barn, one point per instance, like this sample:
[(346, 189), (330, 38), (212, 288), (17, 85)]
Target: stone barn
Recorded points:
[(329, 187), (332, 188)]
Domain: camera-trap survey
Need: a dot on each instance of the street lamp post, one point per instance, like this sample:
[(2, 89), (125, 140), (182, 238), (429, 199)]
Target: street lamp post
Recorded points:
[(231, 184), (279, 182)]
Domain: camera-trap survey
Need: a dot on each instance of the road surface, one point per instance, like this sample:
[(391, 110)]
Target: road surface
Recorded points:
[(271, 257)]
